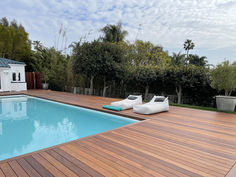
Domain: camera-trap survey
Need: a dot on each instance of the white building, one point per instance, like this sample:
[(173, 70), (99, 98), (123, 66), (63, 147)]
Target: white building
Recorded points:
[(12, 75)]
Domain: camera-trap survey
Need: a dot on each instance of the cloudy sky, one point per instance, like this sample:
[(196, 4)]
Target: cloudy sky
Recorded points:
[(211, 24)]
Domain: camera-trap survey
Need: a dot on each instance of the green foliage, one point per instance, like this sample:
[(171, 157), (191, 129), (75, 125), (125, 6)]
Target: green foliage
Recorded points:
[(223, 77), (52, 64), (14, 42), (45, 74), (100, 60), (178, 59), (145, 74), (196, 60), (112, 62), (113, 33), (145, 53)]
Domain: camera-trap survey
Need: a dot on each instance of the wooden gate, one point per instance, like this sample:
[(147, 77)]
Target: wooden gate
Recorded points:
[(33, 80)]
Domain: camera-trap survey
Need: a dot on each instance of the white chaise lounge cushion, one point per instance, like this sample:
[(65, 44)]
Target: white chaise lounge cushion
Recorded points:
[(129, 102), (153, 106)]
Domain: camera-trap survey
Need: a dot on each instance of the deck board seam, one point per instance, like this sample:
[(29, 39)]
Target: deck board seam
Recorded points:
[(70, 162)]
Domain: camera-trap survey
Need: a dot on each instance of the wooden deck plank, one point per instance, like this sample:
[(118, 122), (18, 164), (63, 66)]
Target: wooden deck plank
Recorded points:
[(157, 147), (47, 165), (57, 164), (177, 148), (149, 163), (158, 168), (114, 158), (91, 161), (190, 140), (131, 161), (68, 164), (28, 168), (106, 159), (181, 142), (167, 156), (7, 170), (38, 167), (1, 173), (17, 168), (80, 164)]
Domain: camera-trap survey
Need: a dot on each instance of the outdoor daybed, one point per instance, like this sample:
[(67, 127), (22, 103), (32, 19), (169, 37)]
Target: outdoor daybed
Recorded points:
[(129, 102), (157, 104)]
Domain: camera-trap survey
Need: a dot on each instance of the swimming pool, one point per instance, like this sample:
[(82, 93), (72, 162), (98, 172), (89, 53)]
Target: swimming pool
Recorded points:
[(28, 124)]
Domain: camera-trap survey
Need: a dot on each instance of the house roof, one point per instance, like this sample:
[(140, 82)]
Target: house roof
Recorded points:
[(4, 63)]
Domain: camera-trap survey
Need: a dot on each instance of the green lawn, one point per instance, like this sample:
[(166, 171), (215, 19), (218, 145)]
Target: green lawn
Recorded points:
[(199, 107)]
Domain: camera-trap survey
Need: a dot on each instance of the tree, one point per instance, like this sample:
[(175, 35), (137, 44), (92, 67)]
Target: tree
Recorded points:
[(52, 64), (146, 53), (145, 75), (14, 41), (223, 77), (178, 59), (183, 76), (87, 60), (113, 33), (112, 63), (4, 22), (188, 45), (100, 59), (198, 61)]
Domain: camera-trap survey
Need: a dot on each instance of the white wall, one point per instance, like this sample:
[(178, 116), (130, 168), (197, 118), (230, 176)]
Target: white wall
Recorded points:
[(5, 79), (18, 85), (7, 83)]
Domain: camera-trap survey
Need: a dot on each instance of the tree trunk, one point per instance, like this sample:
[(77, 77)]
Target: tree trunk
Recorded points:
[(228, 92), (179, 93), (91, 85), (104, 88), (121, 87), (146, 92), (187, 54)]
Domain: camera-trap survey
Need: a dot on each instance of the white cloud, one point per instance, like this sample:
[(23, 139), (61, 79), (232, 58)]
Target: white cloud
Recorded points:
[(209, 23)]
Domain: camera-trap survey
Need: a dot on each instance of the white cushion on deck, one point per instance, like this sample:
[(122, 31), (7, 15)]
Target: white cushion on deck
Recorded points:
[(152, 106), (127, 103)]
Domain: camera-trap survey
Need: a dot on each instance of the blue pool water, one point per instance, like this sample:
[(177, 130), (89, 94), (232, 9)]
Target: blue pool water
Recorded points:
[(28, 124)]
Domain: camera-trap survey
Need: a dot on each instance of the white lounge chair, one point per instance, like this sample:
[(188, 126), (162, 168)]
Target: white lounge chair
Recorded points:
[(129, 102), (157, 104)]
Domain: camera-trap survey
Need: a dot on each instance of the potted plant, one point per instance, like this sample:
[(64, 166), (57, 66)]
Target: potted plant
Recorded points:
[(223, 77), (45, 78)]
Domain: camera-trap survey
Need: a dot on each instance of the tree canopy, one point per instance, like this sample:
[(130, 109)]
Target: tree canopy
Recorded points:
[(113, 33), (113, 66), (14, 41), (223, 77), (188, 45)]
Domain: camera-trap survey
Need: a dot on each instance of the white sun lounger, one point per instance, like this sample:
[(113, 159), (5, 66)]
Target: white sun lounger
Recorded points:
[(129, 102), (157, 104)]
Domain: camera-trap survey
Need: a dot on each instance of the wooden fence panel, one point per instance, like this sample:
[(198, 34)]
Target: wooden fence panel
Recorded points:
[(33, 80), (38, 78)]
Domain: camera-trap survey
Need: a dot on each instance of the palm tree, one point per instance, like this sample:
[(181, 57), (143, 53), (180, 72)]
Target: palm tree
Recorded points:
[(188, 45), (178, 59), (113, 33), (198, 61)]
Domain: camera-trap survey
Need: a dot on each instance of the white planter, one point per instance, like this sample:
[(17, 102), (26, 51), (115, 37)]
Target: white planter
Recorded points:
[(225, 103), (45, 86)]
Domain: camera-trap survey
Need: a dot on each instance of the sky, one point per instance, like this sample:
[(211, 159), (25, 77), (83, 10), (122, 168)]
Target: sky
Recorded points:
[(210, 24)]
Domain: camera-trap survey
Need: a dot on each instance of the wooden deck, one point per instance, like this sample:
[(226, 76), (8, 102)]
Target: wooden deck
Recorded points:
[(181, 142)]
